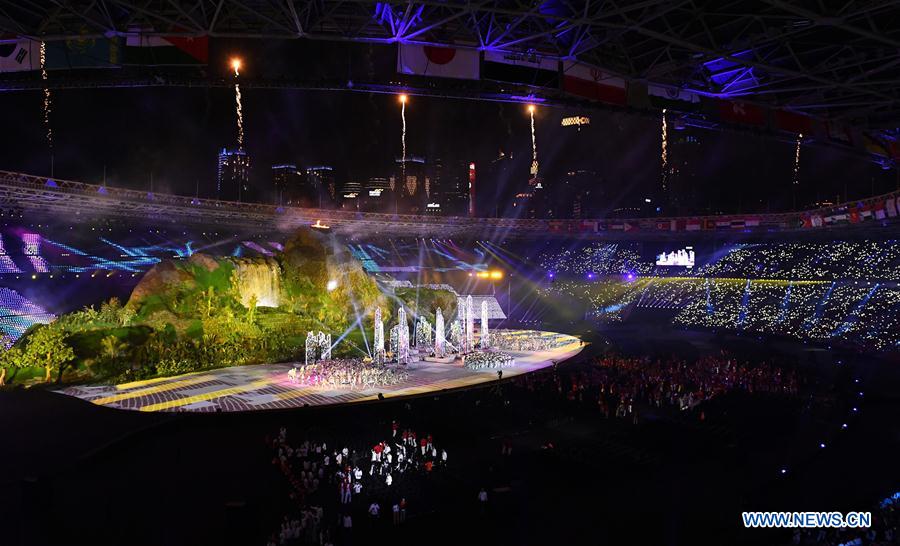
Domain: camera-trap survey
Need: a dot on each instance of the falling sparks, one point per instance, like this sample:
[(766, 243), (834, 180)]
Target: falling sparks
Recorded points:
[(48, 105), (403, 134), (240, 116), (239, 109), (403, 99), (664, 153), (534, 159), (797, 160)]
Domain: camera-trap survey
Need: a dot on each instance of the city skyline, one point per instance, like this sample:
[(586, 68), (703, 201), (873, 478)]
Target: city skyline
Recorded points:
[(172, 133)]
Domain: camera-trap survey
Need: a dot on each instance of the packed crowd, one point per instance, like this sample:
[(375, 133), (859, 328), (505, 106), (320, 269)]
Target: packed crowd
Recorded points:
[(329, 485), (836, 260), (598, 259), (346, 374), (617, 385), (859, 313)]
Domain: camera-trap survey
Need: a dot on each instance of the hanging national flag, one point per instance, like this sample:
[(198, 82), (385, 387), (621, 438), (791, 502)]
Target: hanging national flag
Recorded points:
[(666, 225), (622, 226), (588, 225), (440, 62), (879, 211), (673, 99), (19, 55), (891, 207), (555, 225), (84, 53), (693, 225), (520, 68), (742, 113), (151, 50), (592, 83), (865, 213), (854, 216), (816, 220)]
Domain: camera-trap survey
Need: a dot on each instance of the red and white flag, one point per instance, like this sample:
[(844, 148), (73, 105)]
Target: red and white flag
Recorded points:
[(440, 62), (592, 83)]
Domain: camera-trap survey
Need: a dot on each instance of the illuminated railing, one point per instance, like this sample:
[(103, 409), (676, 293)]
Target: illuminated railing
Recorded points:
[(45, 194)]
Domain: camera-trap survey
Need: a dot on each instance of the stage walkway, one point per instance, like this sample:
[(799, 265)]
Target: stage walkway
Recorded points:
[(266, 386)]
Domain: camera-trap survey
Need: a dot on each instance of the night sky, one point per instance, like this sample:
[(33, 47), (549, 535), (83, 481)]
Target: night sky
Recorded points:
[(175, 134)]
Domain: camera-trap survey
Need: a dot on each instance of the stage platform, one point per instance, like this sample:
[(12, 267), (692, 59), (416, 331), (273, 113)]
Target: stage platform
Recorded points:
[(267, 387)]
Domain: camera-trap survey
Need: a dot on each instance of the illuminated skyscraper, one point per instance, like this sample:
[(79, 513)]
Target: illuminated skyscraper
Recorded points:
[(288, 182), (351, 195), (377, 194), (412, 192), (321, 185), (233, 177)]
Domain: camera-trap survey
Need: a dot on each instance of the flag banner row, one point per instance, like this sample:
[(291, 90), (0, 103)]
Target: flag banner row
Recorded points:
[(575, 79), (585, 81), (884, 208), (23, 54)]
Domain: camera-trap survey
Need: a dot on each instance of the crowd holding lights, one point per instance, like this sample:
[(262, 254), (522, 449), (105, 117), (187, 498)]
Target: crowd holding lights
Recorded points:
[(865, 260), (842, 292), (594, 260), (836, 260), (18, 313)]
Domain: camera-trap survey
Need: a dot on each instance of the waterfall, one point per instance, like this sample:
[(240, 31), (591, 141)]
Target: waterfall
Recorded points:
[(259, 279)]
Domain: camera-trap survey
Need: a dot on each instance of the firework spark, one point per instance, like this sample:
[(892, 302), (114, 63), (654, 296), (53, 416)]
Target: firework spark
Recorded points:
[(534, 159), (239, 109), (48, 104), (403, 99), (797, 160), (664, 154)]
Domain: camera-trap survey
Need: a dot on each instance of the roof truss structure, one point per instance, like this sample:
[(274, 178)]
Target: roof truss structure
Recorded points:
[(840, 60)]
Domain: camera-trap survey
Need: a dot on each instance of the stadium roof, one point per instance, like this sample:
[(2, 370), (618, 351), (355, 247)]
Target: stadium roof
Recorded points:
[(838, 60)]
